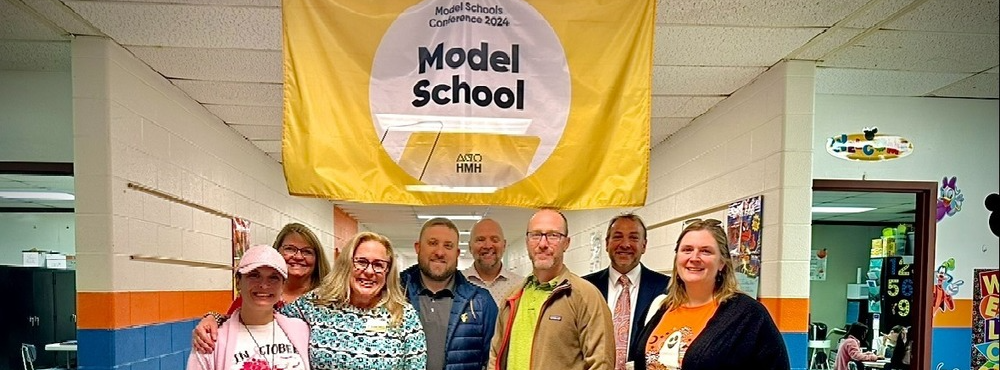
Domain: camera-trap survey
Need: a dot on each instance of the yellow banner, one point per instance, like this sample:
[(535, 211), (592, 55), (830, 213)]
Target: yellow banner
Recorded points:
[(494, 102)]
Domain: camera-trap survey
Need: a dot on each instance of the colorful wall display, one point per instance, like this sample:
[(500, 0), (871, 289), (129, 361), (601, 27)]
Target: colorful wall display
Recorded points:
[(491, 102), (986, 320), (868, 146), (743, 223), (817, 265), (945, 287), (241, 242), (950, 198)]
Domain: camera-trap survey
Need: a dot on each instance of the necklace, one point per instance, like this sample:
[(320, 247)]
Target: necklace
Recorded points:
[(256, 345)]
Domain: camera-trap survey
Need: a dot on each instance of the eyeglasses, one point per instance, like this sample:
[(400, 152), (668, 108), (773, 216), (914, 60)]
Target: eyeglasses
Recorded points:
[(291, 250), (708, 222), (378, 266), (551, 237)]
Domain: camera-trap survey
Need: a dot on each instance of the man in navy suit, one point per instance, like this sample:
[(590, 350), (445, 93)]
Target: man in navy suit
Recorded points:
[(626, 242)]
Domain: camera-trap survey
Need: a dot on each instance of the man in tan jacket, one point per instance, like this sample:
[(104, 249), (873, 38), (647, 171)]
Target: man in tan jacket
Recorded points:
[(556, 320)]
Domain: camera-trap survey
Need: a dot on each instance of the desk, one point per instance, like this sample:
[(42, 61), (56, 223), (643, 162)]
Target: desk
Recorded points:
[(68, 347), (875, 364)]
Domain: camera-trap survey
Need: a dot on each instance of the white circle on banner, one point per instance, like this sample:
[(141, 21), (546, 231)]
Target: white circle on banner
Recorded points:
[(489, 75)]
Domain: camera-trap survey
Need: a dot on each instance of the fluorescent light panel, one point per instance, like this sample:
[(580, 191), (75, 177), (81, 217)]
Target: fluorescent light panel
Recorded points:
[(841, 209), (452, 217), (36, 195)]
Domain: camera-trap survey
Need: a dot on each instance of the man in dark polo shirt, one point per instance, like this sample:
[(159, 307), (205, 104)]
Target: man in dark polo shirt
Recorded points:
[(445, 299)]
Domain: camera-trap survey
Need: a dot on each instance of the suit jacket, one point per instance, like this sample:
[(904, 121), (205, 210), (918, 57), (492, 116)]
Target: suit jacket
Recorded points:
[(651, 284)]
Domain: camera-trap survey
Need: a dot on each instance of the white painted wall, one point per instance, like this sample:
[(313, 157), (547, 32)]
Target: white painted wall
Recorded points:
[(36, 115), (757, 141), (951, 137), (44, 231), (133, 126)]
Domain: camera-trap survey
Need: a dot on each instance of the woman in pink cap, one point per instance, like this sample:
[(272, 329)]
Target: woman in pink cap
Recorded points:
[(258, 338)]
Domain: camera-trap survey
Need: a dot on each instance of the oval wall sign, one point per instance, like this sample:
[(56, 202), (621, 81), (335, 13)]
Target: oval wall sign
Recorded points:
[(868, 147)]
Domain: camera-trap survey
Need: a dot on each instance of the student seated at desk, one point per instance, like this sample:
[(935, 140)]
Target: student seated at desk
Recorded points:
[(850, 348), (900, 359), (884, 344)]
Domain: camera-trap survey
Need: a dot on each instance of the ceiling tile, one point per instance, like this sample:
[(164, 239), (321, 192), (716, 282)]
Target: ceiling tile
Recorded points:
[(982, 85), (195, 26), (257, 132), (268, 146), (969, 16), (882, 83), (785, 13), (661, 128), (727, 46), (719, 81), (50, 56), (63, 17), (683, 106), (831, 40), (18, 22), (232, 93), (234, 65), (920, 51), (874, 12), (247, 114)]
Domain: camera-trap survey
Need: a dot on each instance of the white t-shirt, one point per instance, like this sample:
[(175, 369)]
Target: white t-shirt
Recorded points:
[(267, 349)]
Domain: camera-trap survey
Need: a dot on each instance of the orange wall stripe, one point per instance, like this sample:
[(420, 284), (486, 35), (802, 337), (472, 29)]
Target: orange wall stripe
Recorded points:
[(790, 314), (961, 317), (116, 310)]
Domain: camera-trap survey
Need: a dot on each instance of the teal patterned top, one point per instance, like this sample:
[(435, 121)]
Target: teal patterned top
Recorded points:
[(349, 338)]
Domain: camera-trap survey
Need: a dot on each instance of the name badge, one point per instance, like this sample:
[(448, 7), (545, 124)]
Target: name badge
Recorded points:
[(376, 325), (555, 318)]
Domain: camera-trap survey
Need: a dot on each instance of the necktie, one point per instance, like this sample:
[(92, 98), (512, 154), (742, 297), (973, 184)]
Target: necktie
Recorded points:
[(622, 316)]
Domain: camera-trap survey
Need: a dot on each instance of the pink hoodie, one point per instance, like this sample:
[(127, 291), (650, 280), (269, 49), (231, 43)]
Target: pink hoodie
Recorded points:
[(296, 330)]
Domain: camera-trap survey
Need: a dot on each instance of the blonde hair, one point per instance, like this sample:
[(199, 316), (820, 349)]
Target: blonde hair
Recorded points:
[(726, 285), (336, 287), (322, 266)]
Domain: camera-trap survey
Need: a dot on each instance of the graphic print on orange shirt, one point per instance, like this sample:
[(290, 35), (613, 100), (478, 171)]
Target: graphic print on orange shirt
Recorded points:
[(673, 335)]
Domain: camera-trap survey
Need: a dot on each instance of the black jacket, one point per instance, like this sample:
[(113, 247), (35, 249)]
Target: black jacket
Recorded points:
[(651, 284), (741, 335)]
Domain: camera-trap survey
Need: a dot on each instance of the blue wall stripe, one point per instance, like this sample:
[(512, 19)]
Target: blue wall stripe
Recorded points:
[(796, 344), (951, 348), (154, 347)]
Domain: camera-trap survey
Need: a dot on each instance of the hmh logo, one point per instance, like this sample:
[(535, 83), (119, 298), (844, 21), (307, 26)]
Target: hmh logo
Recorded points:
[(469, 163)]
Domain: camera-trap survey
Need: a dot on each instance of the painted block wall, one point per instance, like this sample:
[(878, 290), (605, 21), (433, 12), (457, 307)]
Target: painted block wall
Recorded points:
[(131, 126), (951, 137), (757, 141)]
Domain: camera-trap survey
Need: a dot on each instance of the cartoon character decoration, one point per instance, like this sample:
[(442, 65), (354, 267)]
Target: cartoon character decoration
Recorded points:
[(945, 287), (950, 198), (992, 203), (870, 132)]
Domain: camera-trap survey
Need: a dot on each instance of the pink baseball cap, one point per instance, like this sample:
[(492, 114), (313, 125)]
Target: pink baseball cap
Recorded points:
[(262, 255)]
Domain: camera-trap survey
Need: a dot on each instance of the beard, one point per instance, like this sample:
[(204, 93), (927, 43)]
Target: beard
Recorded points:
[(448, 272)]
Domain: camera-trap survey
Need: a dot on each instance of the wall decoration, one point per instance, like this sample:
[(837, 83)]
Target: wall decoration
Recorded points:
[(743, 220), (868, 146), (950, 198), (985, 321), (992, 203), (817, 265), (945, 287), (897, 300), (241, 242), (595, 251)]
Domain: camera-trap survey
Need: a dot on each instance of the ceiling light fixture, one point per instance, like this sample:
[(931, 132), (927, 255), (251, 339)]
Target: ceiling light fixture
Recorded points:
[(36, 195), (841, 209), (465, 232), (452, 217)]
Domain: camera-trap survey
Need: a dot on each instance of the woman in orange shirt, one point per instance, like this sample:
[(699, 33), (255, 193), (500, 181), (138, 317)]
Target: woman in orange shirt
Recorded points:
[(704, 321)]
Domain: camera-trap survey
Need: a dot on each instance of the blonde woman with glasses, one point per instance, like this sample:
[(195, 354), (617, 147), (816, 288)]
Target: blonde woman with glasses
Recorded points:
[(358, 316), (704, 321)]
